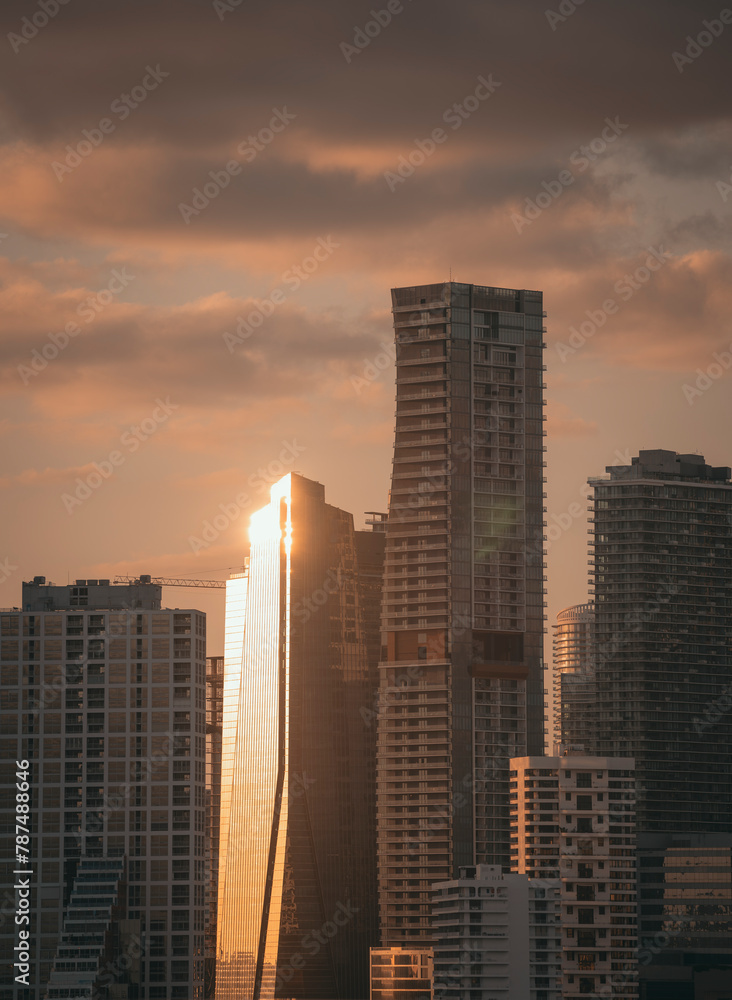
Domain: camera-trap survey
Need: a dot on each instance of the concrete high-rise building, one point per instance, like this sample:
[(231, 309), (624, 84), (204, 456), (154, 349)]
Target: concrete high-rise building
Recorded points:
[(576, 814), (496, 936), (663, 635), (104, 695), (463, 610), (296, 914), (214, 724), (575, 697), (663, 665), (401, 973)]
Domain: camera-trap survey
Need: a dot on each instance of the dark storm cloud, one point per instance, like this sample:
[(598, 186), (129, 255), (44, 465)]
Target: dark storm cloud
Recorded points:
[(224, 75)]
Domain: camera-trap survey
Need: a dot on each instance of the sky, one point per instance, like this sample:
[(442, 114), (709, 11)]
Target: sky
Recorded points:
[(203, 208)]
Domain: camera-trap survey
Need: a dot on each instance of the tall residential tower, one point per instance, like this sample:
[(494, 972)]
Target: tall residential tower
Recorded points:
[(663, 668), (461, 687), (104, 695)]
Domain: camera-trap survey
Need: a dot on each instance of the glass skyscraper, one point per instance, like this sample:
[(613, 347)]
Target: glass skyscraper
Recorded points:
[(575, 698), (297, 890), (461, 684)]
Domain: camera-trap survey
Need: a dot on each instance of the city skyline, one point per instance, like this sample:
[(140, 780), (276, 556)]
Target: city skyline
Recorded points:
[(307, 372), (401, 333)]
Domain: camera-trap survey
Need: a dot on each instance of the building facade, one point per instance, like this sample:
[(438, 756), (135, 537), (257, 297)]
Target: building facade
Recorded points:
[(575, 697), (663, 635), (402, 973), (296, 913), (575, 814), (104, 695), (663, 665), (462, 623), (214, 728), (496, 936)]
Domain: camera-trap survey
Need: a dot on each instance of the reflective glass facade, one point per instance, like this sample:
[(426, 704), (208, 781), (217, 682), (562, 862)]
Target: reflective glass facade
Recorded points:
[(575, 697), (297, 886)]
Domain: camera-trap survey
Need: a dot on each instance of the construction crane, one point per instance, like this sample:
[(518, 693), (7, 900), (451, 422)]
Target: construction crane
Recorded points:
[(173, 581)]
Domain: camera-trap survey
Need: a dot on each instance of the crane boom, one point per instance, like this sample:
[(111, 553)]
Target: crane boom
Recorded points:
[(174, 581)]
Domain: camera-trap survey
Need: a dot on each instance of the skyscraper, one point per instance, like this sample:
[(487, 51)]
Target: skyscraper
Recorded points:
[(103, 693), (663, 635), (575, 698), (297, 868), (663, 667), (461, 687)]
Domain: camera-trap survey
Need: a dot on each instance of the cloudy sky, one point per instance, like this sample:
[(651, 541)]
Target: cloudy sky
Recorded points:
[(202, 214)]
